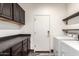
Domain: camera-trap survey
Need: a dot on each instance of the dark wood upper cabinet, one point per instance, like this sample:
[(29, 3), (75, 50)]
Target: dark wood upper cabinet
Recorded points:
[(0, 9), (22, 16), (12, 11), (16, 14), (6, 10), (19, 14)]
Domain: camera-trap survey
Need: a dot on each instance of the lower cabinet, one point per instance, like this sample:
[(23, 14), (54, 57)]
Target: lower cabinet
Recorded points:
[(28, 45), (20, 49), (25, 48), (17, 49), (7, 52)]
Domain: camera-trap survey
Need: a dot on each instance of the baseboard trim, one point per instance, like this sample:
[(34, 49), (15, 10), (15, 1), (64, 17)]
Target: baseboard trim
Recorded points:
[(42, 51), (31, 50)]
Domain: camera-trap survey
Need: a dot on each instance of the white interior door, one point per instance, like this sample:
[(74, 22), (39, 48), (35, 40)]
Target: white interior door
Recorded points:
[(41, 33)]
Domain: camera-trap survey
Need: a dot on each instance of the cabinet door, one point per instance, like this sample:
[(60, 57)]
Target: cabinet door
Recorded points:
[(7, 52), (0, 8), (22, 16), (16, 15), (6, 10), (16, 49), (28, 44), (25, 47)]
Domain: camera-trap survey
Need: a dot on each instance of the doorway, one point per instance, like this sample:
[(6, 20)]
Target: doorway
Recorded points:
[(42, 33)]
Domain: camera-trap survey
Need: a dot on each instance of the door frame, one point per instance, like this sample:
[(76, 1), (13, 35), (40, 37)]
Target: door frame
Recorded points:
[(34, 30)]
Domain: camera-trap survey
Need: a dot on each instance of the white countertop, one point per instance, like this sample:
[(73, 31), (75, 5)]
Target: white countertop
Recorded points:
[(63, 37), (73, 44), (9, 43)]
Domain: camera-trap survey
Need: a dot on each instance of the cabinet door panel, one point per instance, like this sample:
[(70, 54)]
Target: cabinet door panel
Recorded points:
[(16, 9), (12, 11), (7, 52), (7, 10), (16, 49), (22, 16), (25, 47), (28, 44), (0, 8)]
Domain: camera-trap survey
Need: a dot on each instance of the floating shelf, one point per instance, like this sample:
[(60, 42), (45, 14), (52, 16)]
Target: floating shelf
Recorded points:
[(70, 29), (71, 16)]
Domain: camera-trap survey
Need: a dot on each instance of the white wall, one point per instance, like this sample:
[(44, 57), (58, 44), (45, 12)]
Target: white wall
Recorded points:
[(8, 32), (72, 8), (56, 11), (74, 22), (9, 28)]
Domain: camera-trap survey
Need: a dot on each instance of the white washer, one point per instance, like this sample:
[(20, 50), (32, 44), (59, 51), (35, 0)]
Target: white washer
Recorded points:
[(57, 41)]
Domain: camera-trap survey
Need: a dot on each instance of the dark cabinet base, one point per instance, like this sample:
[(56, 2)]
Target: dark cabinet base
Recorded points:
[(20, 49)]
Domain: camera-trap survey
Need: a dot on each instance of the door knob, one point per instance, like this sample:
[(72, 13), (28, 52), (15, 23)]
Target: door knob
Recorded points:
[(48, 33)]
